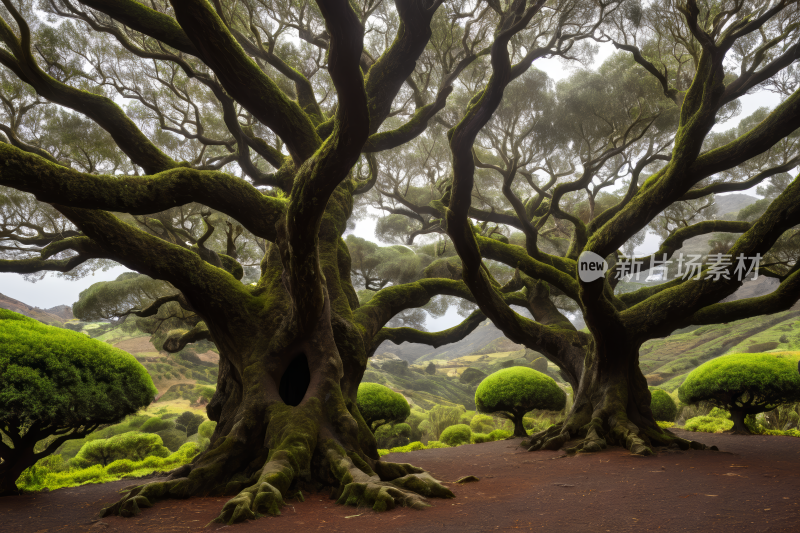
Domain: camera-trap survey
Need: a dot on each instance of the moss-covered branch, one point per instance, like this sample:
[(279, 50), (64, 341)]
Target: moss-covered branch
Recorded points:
[(141, 195), (435, 339)]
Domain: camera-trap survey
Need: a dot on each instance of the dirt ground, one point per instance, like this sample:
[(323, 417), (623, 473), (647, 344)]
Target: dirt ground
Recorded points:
[(752, 484)]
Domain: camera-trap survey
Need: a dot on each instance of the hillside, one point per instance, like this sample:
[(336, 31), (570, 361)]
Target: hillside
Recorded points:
[(485, 339), (55, 316)]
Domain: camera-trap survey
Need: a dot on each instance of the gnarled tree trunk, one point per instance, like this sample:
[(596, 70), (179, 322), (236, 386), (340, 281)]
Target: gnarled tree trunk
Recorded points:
[(285, 403)]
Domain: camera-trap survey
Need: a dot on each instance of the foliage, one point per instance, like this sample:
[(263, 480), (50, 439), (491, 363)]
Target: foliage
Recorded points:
[(206, 429), (189, 422), (456, 435), (131, 446), (756, 382), (514, 391), (56, 385), (378, 403), (39, 477), (442, 417), (708, 424), (663, 406), (156, 424)]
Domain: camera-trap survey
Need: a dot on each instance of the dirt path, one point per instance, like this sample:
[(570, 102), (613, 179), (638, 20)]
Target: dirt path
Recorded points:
[(752, 485)]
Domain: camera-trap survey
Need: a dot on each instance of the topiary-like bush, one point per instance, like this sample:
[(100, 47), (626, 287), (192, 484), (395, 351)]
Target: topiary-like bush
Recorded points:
[(499, 434), (662, 405), (514, 391), (743, 384), (132, 445), (381, 405), (62, 384), (455, 435)]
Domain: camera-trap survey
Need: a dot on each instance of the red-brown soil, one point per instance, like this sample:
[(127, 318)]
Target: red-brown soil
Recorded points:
[(753, 484)]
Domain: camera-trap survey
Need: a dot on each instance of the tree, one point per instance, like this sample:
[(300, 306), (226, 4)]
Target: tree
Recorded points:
[(663, 406), (258, 130), (537, 176), (744, 384), (189, 422), (381, 405), (57, 385), (514, 391)]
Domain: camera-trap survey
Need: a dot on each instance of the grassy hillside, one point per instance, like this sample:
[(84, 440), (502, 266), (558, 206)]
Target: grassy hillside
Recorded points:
[(665, 362)]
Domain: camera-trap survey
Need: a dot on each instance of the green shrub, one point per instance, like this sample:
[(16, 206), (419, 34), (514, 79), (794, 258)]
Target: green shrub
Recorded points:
[(477, 438), (442, 417), (708, 424), (131, 445), (206, 429), (156, 424), (500, 434), (512, 392), (173, 438), (744, 384), (481, 423), (455, 435), (379, 404), (121, 466), (719, 413), (664, 409), (62, 381)]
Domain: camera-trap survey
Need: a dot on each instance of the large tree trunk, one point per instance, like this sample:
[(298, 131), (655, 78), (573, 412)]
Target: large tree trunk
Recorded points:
[(611, 407), (739, 427), (285, 405), (12, 467)]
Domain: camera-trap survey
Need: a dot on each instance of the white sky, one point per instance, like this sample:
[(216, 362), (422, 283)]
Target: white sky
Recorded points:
[(53, 291)]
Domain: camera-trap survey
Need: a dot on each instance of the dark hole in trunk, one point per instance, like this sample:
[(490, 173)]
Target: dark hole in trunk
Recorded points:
[(295, 380)]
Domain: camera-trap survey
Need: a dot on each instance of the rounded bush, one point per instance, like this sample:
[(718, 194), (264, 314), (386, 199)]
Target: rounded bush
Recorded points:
[(455, 435), (744, 384), (207, 428), (499, 434), (481, 423), (376, 402), (663, 406), (156, 424), (514, 391), (173, 438), (478, 438)]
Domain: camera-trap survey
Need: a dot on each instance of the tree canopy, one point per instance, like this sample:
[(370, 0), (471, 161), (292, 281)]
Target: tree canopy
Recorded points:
[(512, 392), (744, 384)]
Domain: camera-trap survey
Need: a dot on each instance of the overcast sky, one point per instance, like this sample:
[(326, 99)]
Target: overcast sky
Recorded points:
[(52, 290)]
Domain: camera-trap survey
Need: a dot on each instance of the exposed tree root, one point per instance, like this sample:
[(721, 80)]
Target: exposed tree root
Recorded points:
[(597, 436), (362, 482)]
